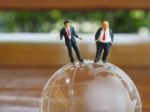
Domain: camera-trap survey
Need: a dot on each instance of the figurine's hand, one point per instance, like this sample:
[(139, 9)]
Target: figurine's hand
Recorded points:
[(111, 43), (80, 38), (57, 38), (96, 41)]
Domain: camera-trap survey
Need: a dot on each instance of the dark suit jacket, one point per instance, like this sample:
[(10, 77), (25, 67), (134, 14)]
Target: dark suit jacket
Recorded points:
[(63, 33), (99, 32)]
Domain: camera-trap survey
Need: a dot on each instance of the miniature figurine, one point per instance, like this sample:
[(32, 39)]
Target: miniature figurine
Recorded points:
[(104, 38), (69, 34)]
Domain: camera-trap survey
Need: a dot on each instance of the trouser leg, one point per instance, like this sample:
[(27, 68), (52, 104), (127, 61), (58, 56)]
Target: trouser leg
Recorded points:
[(98, 52), (106, 51), (76, 51), (69, 47)]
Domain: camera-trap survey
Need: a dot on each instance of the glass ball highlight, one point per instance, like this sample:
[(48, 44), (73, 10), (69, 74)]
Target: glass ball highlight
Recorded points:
[(90, 87)]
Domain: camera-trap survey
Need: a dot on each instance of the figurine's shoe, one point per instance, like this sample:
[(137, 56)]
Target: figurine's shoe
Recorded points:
[(74, 64), (72, 61), (81, 60), (104, 61), (95, 61)]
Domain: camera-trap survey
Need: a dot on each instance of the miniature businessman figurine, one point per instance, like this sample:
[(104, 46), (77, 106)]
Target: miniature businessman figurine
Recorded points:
[(69, 34), (104, 38)]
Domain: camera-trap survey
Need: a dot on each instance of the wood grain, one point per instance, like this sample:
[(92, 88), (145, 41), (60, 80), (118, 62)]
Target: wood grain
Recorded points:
[(73, 4), (21, 87), (55, 54), (25, 68)]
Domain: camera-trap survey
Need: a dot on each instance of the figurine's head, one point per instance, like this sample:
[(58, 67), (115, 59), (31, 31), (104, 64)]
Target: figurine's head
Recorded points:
[(105, 25), (67, 23)]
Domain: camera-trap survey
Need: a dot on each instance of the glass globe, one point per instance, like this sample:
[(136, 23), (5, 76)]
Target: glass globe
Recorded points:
[(90, 87)]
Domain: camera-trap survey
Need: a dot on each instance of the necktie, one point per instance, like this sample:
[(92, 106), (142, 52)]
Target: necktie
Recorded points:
[(68, 32), (104, 35)]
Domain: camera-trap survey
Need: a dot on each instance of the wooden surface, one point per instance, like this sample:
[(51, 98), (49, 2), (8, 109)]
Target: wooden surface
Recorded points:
[(73, 4), (25, 68), (55, 54), (20, 88)]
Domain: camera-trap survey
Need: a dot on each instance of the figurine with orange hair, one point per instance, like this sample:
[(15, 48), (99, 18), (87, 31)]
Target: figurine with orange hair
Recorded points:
[(104, 38)]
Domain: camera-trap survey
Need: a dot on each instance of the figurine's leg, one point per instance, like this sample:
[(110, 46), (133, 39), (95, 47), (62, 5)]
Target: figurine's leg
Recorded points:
[(98, 52), (77, 52), (69, 47), (106, 52)]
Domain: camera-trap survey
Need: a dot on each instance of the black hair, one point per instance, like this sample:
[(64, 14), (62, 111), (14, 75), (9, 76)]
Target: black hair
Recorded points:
[(66, 21)]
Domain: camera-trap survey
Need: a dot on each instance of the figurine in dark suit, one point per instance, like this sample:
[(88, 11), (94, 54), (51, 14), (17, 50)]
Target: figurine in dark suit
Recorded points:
[(104, 38), (69, 34)]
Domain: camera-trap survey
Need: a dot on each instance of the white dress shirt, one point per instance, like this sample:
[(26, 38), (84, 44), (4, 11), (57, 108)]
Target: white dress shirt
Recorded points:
[(69, 32), (107, 36)]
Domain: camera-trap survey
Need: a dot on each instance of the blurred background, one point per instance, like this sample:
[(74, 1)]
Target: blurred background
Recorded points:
[(30, 52), (121, 21)]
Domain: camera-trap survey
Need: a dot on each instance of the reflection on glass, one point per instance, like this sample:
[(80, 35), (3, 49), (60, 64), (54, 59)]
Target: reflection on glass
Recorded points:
[(90, 87)]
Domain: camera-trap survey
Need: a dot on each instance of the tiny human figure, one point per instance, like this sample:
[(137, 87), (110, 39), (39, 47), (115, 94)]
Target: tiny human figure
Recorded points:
[(104, 38), (68, 32)]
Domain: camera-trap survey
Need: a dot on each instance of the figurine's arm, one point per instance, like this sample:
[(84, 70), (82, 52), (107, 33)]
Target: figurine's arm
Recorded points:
[(61, 34), (74, 33), (112, 35), (97, 34)]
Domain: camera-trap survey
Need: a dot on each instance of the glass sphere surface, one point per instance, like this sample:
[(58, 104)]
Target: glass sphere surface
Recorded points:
[(90, 87)]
